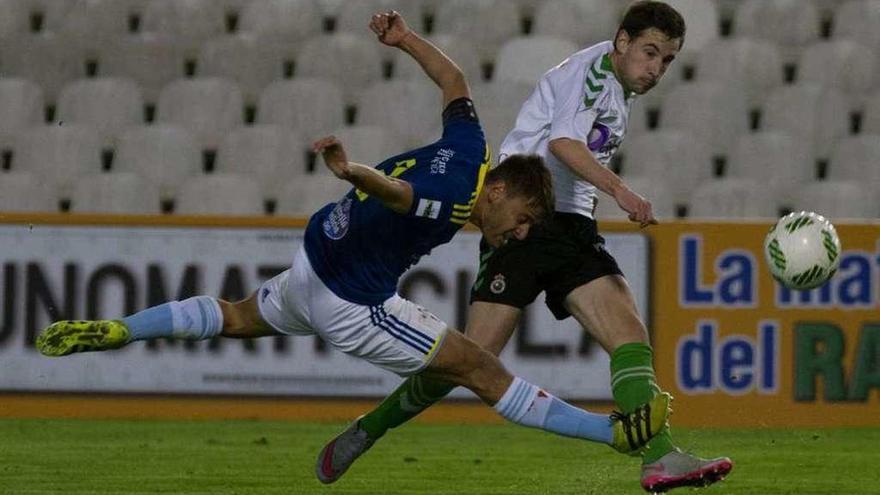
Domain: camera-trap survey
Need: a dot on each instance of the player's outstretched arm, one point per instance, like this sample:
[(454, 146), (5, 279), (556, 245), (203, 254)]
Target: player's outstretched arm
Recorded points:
[(394, 193), (392, 30)]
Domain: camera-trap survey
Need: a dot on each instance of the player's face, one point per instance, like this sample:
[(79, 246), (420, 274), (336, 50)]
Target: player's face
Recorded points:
[(509, 217), (641, 61)]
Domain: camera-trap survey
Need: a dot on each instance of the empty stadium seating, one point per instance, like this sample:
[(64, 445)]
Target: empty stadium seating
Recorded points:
[(121, 193), (220, 194)]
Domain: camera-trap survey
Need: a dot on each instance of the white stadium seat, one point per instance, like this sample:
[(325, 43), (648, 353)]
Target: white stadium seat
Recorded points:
[(411, 109), (814, 115), (702, 19), (856, 158), (291, 20), (356, 62), (120, 193), (14, 19), (109, 105), (843, 64), (734, 198), (152, 60), (497, 104), (58, 153), (166, 155), (98, 19), (526, 59), (487, 22), (26, 192), (48, 60), (585, 22), (857, 20), (190, 21), (270, 154), (773, 157), (459, 49), (312, 107), (21, 106), (220, 194), (249, 61), (871, 116), (838, 199), (714, 113), (755, 64), (662, 155), (367, 144), (304, 196), (654, 190), (208, 107), (792, 24)]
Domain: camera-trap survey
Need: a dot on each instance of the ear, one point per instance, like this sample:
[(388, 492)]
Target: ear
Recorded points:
[(621, 41), (496, 190)]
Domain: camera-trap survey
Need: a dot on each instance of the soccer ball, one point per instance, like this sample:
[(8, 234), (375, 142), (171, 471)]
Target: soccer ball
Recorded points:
[(802, 250)]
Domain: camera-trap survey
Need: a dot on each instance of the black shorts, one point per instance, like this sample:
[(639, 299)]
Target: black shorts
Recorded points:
[(558, 256)]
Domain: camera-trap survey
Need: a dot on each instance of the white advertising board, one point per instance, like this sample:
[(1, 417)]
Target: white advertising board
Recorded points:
[(63, 272)]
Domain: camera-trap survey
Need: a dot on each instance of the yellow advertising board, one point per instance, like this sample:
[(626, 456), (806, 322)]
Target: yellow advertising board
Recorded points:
[(737, 349)]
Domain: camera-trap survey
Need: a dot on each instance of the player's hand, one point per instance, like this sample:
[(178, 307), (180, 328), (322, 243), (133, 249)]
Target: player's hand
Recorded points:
[(334, 156), (639, 208), (390, 28)]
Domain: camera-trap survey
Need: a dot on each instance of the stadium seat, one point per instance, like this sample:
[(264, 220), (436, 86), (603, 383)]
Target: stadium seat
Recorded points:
[(312, 107), (14, 19), (166, 155), (49, 60), (190, 21), (734, 198), (410, 109), (152, 60), (755, 64), (304, 196), (497, 104), (121, 193), (871, 117), (58, 153), (208, 107), (291, 20), (220, 194), (108, 104), (792, 24), (356, 62), (856, 158), (654, 190), (99, 19), (268, 153), (21, 106), (367, 144), (812, 114), (526, 59), (665, 154), (457, 48), (487, 22), (26, 192), (584, 22), (703, 25), (712, 112), (773, 157), (843, 65), (354, 17), (251, 62), (838, 199), (52, 14), (857, 20)]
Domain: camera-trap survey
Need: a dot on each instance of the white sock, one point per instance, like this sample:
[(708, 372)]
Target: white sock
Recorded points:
[(196, 318)]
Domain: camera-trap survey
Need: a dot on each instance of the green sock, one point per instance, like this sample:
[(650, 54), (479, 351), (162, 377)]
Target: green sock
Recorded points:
[(412, 397), (633, 384)]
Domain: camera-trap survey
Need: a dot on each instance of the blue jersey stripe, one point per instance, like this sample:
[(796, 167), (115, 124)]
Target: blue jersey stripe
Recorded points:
[(410, 329), (405, 339)]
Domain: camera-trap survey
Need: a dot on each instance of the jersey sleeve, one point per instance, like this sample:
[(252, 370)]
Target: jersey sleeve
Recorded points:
[(573, 113), (438, 197)]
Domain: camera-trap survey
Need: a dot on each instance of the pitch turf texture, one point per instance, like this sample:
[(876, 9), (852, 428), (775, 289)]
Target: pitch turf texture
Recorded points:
[(259, 457)]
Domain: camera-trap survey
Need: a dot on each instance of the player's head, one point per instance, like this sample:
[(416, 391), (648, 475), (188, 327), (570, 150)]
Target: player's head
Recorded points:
[(649, 37), (516, 194)]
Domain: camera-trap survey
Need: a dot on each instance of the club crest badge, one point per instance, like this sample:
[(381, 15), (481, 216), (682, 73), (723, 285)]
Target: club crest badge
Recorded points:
[(498, 284)]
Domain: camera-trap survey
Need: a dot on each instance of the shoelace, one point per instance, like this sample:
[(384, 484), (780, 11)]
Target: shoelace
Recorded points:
[(636, 425)]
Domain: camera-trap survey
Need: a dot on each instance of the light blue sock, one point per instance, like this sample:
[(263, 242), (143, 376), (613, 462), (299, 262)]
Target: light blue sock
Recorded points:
[(528, 405), (196, 318)]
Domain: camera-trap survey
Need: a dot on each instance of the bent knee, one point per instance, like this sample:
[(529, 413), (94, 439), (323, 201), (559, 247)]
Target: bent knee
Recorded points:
[(242, 319)]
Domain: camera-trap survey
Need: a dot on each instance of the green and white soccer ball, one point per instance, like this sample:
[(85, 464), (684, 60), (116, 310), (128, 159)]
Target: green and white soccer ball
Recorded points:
[(802, 250)]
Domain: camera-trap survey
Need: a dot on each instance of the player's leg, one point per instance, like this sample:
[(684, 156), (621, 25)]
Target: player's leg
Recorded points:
[(606, 308), (196, 318), (488, 325)]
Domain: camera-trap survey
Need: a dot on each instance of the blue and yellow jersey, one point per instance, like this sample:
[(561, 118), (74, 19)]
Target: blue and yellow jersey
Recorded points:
[(360, 248)]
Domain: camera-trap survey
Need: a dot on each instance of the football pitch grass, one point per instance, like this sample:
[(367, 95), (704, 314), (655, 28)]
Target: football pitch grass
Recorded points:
[(262, 457)]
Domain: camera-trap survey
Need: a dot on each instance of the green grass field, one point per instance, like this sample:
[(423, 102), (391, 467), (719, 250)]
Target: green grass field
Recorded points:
[(256, 457)]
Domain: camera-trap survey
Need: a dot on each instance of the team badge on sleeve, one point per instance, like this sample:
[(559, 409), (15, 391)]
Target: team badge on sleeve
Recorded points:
[(428, 208)]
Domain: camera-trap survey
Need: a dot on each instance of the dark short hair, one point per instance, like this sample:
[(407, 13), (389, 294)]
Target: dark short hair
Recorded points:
[(647, 14), (528, 177)]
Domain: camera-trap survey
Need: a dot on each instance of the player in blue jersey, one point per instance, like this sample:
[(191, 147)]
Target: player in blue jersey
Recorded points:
[(343, 280)]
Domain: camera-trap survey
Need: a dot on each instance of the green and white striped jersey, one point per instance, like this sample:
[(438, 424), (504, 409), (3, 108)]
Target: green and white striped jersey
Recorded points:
[(578, 99)]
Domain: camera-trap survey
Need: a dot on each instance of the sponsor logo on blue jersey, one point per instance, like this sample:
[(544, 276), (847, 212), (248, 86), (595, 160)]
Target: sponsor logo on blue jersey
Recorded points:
[(337, 221)]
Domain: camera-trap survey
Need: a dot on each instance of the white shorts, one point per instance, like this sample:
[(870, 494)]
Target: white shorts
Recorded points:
[(397, 335)]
